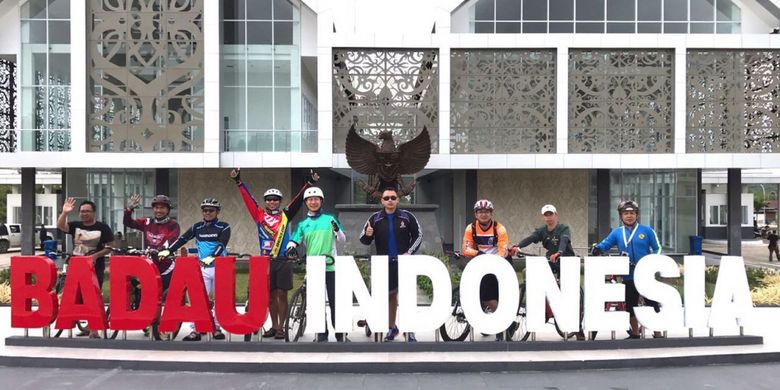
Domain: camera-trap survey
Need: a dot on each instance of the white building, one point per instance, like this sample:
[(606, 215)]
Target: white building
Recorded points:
[(579, 103)]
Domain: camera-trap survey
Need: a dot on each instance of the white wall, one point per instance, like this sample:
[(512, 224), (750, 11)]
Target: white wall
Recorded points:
[(10, 28), (45, 200), (720, 200)]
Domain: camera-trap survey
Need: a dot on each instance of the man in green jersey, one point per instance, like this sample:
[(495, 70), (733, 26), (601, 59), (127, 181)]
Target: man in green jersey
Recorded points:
[(317, 233)]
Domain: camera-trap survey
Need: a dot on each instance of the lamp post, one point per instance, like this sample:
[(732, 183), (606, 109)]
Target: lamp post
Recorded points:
[(763, 202)]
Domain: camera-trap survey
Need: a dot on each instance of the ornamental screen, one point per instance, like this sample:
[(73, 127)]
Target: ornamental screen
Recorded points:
[(385, 89), (502, 101), (733, 101), (7, 106), (620, 101), (146, 76)]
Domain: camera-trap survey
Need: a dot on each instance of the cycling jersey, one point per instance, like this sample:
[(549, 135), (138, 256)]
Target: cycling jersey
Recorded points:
[(270, 222), (316, 232), (554, 241), (494, 240), (211, 239), (636, 243), (406, 230), (156, 236)]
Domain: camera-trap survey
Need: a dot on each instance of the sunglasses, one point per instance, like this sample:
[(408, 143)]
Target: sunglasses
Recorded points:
[(390, 197), (273, 199), (209, 210)]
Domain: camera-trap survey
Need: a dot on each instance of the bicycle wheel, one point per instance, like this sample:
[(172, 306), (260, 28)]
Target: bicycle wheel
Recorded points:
[(164, 336), (456, 328), (518, 331), (295, 323)]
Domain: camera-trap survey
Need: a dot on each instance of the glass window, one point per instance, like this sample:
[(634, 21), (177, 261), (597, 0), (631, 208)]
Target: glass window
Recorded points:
[(283, 33), (620, 28), (728, 28), (59, 9), (233, 33), (675, 28), (649, 10), (483, 27), (484, 10), (702, 28), (508, 10), (258, 33), (59, 32), (561, 10), (534, 10), (34, 9), (34, 31), (233, 10), (260, 103), (702, 10), (590, 10), (648, 28), (724, 215), (745, 215), (561, 27), (535, 27), (233, 108), (283, 10), (258, 10), (727, 11), (597, 28), (620, 10), (508, 27), (675, 10)]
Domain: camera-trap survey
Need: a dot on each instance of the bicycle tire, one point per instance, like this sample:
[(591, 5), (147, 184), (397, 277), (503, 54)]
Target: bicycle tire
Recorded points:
[(367, 329), (456, 328), (520, 331), (109, 333), (295, 323), (164, 336)]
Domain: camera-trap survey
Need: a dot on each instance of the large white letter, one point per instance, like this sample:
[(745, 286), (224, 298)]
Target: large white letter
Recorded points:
[(540, 284), (693, 288), (412, 318), (671, 314), (315, 294), (597, 293), (509, 294), (349, 281), (731, 300)]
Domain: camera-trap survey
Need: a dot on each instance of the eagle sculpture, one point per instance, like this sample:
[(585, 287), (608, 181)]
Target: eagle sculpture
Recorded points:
[(384, 164)]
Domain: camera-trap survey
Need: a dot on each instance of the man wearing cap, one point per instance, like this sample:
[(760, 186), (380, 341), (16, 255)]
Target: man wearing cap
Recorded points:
[(555, 238), (273, 231), (634, 241)]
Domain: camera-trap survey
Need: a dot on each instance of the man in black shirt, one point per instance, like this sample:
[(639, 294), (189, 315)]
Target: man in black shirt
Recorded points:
[(90, 236)]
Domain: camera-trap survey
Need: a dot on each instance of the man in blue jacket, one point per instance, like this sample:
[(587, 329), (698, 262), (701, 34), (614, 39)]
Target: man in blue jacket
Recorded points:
[(634, 241)]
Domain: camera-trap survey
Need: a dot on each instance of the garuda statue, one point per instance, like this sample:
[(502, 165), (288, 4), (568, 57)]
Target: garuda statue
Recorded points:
[(384, 164)]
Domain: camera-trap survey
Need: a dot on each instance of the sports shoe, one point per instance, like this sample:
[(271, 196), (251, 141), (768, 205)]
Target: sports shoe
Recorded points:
[(279, 335), (194, 336), (218, 335), (340, 337), (510, 331), (410, 338), (94, 335), (322, 337), (391, 334), (500, 336), (632, 336), (269, 333)]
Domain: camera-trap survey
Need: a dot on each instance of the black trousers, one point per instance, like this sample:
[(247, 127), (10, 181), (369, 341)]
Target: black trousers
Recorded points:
[(330, 287)]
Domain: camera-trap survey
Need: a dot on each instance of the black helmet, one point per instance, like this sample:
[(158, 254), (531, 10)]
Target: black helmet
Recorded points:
[(628, 205)]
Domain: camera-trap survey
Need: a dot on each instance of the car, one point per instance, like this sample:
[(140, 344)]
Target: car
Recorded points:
[(14, 237)]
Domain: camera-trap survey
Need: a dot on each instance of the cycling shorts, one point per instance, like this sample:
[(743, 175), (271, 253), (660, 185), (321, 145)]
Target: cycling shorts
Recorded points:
[(632, 298), (281, 275)]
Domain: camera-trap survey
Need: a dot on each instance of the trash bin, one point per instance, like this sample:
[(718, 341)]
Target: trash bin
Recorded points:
[(50, 249), (696, 245)]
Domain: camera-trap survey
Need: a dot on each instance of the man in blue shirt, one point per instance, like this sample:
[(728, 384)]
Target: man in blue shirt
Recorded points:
[(634, 241)]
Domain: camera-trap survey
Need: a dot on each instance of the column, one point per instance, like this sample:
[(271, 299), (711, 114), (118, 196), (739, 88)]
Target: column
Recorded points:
[(734, 204), (28, 211), (603, 204)]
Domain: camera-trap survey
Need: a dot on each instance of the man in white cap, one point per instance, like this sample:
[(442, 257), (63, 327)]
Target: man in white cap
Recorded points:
[(555, 238)]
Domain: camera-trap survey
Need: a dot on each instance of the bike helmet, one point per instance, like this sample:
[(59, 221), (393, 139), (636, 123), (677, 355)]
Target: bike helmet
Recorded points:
[(628, 205), (210, 202), (163, 200), (273, 192), (483, 204), (313, 191)]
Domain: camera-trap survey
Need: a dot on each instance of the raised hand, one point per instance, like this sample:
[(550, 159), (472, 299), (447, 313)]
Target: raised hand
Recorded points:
[(235, 174), (313, 177), (70, 204), (135, 202)]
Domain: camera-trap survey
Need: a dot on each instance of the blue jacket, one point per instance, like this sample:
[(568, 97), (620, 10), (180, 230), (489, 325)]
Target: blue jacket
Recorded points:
[(211, 239), (643, 243)]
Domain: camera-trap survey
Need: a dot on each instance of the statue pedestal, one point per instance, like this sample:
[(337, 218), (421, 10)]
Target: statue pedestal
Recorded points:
[(354, 216)]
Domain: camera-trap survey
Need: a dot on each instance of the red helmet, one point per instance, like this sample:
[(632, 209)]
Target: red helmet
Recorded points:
[(163, 200)]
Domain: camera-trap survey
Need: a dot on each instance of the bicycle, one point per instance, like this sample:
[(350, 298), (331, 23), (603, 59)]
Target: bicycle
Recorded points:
[(295, 323), (62, 271), (135, 296)]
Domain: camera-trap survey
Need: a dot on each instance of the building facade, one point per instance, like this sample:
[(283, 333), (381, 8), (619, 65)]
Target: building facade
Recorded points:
[(579, 103)]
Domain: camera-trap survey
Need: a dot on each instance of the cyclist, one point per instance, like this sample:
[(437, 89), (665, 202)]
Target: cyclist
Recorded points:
[(90, 238), (486, 236), (160, 231), (317, 231), (211, 238), (556, 240), (635, 241), (393, 231), (273, 231)]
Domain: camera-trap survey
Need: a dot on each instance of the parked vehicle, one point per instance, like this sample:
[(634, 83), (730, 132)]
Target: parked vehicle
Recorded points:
[(14, 237)]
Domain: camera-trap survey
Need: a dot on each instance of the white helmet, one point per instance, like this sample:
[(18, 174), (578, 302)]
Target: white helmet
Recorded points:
[(483, 204), (313, 191), (210, 202), (273, 192)]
